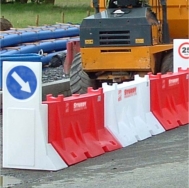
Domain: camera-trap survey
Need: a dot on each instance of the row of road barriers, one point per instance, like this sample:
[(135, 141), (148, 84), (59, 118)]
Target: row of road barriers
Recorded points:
[(62, 131), (76, 126), (127, 111)]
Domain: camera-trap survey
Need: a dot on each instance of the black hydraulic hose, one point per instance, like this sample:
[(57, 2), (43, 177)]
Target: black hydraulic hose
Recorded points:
[(165, 26), (96, 6)]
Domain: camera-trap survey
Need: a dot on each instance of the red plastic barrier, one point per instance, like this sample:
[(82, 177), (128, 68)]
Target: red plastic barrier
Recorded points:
[(184, 76), (76, 126), (169, 98)]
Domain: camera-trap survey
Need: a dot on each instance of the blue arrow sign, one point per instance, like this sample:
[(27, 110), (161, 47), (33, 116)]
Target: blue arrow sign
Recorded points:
[(21, 82)]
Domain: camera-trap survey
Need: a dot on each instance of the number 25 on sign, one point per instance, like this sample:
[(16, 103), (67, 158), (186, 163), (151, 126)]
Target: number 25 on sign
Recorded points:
[(183, 50)]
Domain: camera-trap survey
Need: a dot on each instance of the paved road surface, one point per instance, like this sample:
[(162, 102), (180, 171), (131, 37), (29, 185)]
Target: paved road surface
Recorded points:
[(157, 162)]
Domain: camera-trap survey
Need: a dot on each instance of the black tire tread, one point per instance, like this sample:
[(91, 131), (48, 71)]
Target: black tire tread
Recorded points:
[(79, 80), (167, 63)]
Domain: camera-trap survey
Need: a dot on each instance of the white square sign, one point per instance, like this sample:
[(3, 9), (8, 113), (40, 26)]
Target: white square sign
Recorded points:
[(181, 54)]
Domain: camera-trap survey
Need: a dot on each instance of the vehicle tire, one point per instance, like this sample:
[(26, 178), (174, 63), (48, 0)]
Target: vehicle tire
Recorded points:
[(79, 80), (167, 62)]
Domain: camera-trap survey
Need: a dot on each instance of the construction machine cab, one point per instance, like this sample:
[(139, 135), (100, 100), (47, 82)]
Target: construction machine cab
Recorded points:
[(118, 4), (125, 3), (128, 37)]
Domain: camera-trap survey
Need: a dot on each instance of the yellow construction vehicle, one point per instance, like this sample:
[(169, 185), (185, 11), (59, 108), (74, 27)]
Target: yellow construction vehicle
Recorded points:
[(127, 37)]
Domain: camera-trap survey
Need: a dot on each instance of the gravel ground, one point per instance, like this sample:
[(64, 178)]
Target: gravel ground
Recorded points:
[(51, 74)]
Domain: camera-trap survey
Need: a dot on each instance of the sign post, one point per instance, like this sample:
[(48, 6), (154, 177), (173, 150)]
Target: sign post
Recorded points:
[(181, 54), (25, 119)]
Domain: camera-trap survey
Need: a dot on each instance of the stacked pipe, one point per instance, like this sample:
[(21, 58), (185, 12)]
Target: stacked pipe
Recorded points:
[(49, 39), (36, 43)]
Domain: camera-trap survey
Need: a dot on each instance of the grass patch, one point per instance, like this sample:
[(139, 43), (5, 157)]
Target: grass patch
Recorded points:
[(23, 15), (69, 3)]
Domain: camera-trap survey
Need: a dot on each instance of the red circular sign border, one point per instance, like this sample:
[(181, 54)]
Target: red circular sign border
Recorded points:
[(180, 48)]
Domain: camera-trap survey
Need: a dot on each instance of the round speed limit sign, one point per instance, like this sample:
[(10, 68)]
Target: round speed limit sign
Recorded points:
[(183, 50)]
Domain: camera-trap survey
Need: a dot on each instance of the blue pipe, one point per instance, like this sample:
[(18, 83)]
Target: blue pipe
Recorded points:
[(31, 36)]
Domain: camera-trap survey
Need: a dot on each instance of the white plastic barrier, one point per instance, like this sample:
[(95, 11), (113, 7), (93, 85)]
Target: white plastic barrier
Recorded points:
[(124, 134), (25, 120), (130, 107), (144, 105), (180, 54), (127, 111)]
